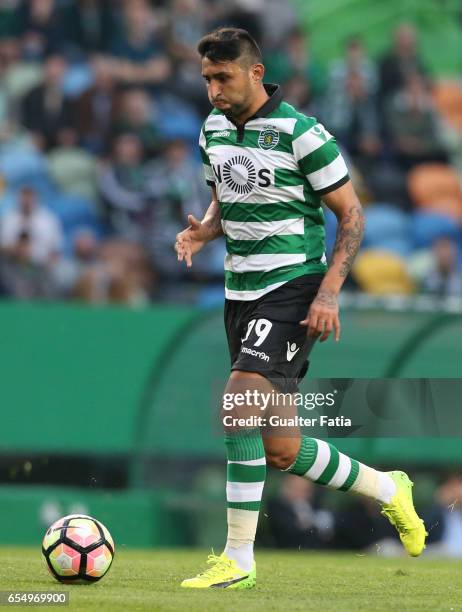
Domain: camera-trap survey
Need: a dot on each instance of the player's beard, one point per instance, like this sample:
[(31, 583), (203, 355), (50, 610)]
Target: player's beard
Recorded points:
[(235, 111)]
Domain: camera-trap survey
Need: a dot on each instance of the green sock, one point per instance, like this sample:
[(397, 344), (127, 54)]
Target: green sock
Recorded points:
[(321, 462), (246, 475)]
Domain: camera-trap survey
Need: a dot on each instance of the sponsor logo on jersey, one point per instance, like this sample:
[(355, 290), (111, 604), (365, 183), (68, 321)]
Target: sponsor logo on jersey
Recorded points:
[(268, 137), (254, 353), (319, 131), (292, 350), (222, 134), (240, 174)]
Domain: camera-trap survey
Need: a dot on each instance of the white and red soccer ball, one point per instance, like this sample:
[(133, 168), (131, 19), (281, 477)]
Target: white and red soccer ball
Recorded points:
[(78, 548)]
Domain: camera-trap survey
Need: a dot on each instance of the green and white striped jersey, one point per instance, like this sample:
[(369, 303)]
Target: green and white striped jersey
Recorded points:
[(270, 174)]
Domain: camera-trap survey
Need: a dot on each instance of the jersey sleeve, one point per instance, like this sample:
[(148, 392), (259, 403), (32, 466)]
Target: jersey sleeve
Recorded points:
[(208, 170), (318, 156)]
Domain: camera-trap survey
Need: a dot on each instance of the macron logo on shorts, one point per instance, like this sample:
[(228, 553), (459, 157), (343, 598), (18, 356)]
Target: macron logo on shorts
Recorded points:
[(292, 350), (259, 354)]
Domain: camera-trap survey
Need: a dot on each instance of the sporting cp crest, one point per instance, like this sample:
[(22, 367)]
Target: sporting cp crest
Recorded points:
[(268, 138)]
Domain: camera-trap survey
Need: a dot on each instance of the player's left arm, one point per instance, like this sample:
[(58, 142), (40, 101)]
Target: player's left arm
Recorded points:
[(323, 315)]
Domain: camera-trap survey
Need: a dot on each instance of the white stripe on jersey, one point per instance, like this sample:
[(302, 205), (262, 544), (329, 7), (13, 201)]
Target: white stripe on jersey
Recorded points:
[(264, 195), (247, 296), (328, 175), (266, 261), (249, 230), (218, 123)]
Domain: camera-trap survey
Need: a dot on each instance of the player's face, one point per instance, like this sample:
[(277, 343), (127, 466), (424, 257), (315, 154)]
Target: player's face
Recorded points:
[(230, 86)]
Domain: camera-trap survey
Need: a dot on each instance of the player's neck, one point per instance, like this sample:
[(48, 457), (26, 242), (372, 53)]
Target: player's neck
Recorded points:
[(260, 99)]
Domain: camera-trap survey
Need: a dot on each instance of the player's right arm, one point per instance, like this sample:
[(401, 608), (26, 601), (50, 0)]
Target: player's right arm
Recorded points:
[(192, 239)]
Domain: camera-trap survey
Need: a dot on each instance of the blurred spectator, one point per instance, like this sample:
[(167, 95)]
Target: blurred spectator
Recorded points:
[(401, 62), (89, 24), (444, 520), (186, 26), (246, 14), (131, 278), (294, 519), (82, 261), (45, 109), (352, 117), (140, 54), (294, 61), (445, 277), (278, 19), (413, 125), (102, 273), (72, 168), (355, 62), (136, 116), (40, 29), (96, 109), (177, 188), (297, 92), (122, 187), (30, 241)]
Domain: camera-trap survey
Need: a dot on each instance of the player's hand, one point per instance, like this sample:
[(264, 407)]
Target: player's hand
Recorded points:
[(322, 317), (190, 241)]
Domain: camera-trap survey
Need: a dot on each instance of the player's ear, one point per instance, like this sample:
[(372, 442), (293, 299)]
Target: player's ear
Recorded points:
[(257, 72)]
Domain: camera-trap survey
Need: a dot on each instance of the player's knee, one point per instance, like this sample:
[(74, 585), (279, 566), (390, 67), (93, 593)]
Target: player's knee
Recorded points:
[(280, 459)]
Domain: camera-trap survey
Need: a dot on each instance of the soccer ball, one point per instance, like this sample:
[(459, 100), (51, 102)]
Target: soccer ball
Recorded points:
[(78, 548)]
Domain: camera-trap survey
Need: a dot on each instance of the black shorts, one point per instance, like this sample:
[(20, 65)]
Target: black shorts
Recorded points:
[(265, 335)]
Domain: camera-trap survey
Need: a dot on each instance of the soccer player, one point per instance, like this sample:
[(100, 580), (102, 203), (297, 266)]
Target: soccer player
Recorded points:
[(269, 167)]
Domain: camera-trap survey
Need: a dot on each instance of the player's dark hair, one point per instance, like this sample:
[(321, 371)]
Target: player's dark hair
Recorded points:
[(228, 45)]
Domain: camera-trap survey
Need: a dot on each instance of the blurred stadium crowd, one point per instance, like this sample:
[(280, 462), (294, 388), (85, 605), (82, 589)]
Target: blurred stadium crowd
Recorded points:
[(101, 104)]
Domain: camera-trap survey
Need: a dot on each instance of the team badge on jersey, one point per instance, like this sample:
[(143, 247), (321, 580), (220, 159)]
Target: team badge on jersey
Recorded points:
[(268, 138)]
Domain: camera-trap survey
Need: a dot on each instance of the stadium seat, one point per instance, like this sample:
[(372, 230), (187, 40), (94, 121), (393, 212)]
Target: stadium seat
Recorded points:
[(382, 273), (436, 187), (428, 226), (330, 221), (179, 119), (20, 162), (73, 212), (447, 96), (387, 228)]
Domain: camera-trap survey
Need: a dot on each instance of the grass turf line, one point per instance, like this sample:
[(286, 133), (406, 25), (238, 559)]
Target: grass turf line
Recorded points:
[(149, 580)]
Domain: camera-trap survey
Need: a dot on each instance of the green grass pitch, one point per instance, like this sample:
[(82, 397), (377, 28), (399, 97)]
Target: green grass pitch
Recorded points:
[(287, 581)]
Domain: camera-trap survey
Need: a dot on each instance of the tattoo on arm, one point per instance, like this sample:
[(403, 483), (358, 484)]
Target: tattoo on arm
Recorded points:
[(348, 240), (215, 223), (326, 298), (212, 220)]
